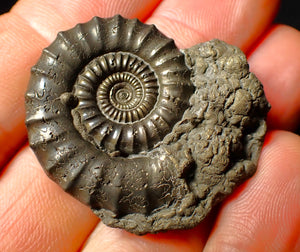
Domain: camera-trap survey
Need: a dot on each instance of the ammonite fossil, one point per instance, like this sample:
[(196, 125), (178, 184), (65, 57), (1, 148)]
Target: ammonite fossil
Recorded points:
[(150, 137)]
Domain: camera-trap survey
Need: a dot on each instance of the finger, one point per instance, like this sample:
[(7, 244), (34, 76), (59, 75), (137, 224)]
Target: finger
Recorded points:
[(35, 214), (237, 22), (19, 49), (29, 27), (105, 238), (276, 63), (264, 214), (49, 17)]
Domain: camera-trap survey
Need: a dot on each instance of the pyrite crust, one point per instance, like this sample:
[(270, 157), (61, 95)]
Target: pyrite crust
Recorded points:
[(150, 137)]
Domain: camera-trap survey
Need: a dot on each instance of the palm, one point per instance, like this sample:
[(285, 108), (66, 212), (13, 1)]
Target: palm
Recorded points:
[(263, 214)]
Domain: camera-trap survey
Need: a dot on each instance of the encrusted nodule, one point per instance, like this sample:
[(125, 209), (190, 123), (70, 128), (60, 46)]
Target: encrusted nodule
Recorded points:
[(150, 137)]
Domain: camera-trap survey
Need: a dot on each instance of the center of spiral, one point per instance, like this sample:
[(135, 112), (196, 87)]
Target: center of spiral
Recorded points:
[(121, 93), (119, 97)]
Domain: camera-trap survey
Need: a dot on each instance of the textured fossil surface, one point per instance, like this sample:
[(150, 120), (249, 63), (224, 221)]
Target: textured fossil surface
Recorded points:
[(150, 137)]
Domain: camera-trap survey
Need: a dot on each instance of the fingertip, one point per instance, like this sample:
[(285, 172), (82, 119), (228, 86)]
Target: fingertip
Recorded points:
[(35, 214), (275, 61), (263, 214), (237, 22), (50, 17)]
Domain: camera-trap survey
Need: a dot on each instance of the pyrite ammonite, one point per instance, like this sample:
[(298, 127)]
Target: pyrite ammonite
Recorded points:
[(150, 137)]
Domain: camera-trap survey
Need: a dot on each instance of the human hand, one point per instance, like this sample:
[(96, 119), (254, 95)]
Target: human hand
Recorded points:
[(262, 214)]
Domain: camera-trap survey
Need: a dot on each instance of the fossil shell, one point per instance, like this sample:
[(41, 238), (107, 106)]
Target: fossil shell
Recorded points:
[(129, 93), (148, 136)]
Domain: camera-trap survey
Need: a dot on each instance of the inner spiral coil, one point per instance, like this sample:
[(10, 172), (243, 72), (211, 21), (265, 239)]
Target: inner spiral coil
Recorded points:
[(128, 87), (115, 89), (123, 97)]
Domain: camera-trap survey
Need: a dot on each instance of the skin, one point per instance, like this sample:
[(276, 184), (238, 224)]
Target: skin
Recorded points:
[(263, 214)]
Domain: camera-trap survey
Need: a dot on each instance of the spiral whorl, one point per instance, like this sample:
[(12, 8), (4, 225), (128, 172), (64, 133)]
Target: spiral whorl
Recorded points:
[(130, 97)]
